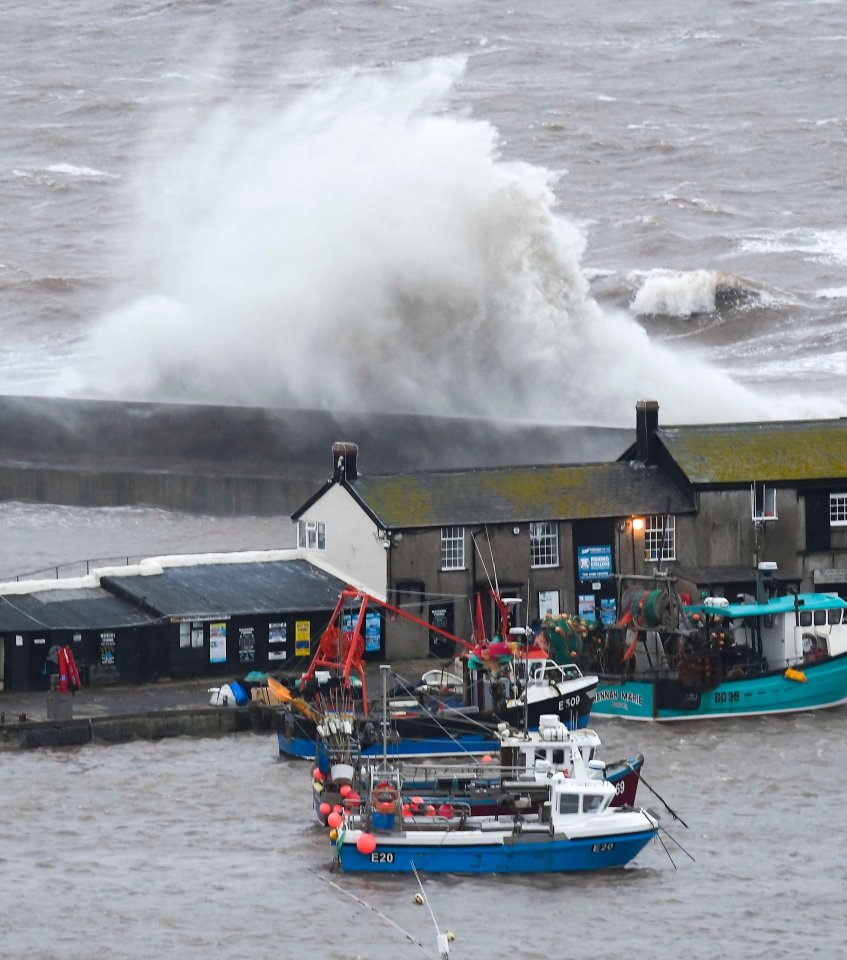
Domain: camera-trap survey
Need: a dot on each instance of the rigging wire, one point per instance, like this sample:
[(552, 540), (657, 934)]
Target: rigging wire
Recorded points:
[(667, 807), (380, 914)]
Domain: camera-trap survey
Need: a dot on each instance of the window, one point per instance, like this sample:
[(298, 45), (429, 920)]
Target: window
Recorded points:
[(191, 634), (311, 534), (544, 544), (452, 548), (569, 803), (660, 537), (763, 501), (592, 802), (838, 509)]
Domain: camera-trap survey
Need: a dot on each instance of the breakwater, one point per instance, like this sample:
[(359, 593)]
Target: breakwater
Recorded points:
[(231, 461), (149, 725)]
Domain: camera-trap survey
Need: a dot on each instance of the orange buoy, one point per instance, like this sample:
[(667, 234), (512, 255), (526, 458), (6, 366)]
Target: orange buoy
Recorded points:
[(325, 809), (445, 810), (487, 758), (366, 844), (334, 819), (346, 790), (317, 775)]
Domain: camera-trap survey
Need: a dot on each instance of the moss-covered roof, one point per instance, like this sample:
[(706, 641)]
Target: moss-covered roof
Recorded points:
[(745, 452), (506, 494)]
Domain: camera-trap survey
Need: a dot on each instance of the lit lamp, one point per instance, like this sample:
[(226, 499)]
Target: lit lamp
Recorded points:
[(636, 525)]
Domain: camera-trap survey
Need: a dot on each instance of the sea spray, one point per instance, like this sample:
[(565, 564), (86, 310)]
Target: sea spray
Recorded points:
[(365, 246)]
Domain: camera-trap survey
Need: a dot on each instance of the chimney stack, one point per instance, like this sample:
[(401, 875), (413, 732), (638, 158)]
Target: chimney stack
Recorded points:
[(646, 424), (344, 460)]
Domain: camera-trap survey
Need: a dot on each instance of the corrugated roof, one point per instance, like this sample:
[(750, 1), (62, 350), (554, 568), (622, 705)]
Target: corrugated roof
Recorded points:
[(745, 452), (79, 609), (506, 494), (218, 589)]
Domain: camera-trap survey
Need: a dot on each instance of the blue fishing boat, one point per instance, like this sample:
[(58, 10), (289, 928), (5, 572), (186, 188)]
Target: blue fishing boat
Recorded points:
[(720, 659), (575, 829), (500, 683)]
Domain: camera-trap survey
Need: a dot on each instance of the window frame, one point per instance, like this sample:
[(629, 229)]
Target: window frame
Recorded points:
[(838, 508), (453, 548), (311, 534), (767, 495), (544, 544), (658, 540)]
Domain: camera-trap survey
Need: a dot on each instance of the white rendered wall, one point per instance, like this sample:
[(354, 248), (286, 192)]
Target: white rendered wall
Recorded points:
[(353, 549)]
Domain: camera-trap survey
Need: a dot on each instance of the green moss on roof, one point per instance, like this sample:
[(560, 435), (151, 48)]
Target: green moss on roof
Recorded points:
[(744, 452), (507, 494)]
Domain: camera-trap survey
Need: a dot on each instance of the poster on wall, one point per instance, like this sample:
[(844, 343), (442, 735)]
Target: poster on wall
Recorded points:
[(608, 610), (217, 643), (373, 631), (441, 616), (302, 635), (594, 563), (277, 641), (548, 603), (107, 648), (586, 606), (246, 645)]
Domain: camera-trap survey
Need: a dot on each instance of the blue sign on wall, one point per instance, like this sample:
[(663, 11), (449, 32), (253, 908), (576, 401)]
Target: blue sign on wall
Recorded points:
[(372, 631), (594, 563)]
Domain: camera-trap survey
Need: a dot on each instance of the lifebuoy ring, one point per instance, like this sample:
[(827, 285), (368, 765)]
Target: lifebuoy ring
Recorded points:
[(385, 798)]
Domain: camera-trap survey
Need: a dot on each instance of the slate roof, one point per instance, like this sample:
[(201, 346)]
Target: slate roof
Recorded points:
[(217, 589), (80, 608), (795, 450), (507, 494)]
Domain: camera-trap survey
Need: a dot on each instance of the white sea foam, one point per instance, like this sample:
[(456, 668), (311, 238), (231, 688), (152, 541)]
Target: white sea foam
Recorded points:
[(833, 293), (367, 247), (828, 246), (70, 170), (686, 293)]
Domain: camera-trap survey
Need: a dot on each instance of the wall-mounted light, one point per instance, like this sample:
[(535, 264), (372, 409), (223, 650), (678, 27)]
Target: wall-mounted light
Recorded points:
[(638, 523), (516, 530)]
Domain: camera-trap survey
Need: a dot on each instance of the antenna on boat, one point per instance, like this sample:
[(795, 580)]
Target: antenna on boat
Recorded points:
[(442, 940), (383, 669)]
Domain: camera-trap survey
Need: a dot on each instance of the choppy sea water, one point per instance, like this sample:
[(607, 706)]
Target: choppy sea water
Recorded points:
[(208, 848), (535, 209)]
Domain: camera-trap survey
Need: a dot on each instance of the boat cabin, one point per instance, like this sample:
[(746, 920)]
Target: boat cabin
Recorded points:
[(790, 630)]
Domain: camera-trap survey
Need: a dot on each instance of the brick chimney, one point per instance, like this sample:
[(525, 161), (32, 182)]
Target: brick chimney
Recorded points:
[(344, 456), (646, 424)]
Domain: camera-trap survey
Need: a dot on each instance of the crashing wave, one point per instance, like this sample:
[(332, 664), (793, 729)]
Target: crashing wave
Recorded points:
[(688, 293)]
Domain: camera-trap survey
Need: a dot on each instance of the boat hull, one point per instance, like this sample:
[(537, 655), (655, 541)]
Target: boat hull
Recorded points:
[(496, 854), (665, 700), (440, 734)]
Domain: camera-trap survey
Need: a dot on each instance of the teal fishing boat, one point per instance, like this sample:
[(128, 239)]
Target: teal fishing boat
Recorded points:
[(682, 661)]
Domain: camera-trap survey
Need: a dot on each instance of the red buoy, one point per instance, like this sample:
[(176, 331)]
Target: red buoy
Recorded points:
[(366, 844), (334, 819)]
